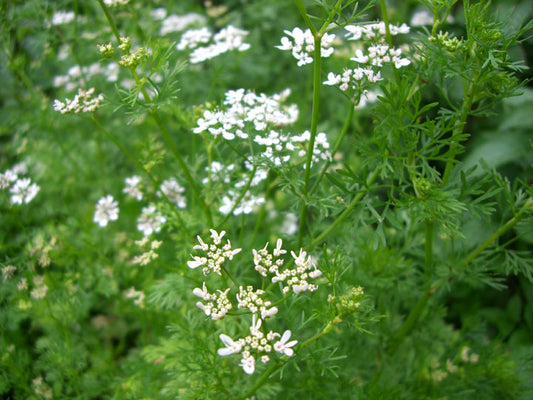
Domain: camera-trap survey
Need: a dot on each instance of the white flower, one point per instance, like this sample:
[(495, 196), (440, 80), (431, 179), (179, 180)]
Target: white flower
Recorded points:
[(248, 364), (283, 346), (7, 177), (82, 102), (150, 221), (227, 39), (177, 23), (116, 3), (23, 191), (172, 189), (217, 237), (202, 293), (132, 187), (196, 262), (332, 79), (62, 17), (359, 57), (302, 45), (158, 13), (106, 210), (231, 346)]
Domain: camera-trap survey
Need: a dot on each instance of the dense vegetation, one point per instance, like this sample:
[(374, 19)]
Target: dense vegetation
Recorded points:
[(266, 199)]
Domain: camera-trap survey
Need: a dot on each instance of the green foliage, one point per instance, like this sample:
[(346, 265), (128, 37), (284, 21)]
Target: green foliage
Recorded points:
[(402, 244)]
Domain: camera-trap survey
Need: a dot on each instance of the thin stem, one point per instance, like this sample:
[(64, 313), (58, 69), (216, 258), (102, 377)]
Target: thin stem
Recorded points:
[(110, 20), (429, 248), (371, 179), (261, 381), (239, 199), (388, 35), (305, 16), (336, 146), (314, 128)]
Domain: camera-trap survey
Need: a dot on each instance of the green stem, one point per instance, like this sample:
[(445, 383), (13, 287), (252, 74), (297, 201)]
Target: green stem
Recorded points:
[(459, 127), (314, 129), (370, 180), (239, 199), (261, 381), (336, 146), (429, 248), (388, 35), (305, 16), (317, 72), (110, 20)]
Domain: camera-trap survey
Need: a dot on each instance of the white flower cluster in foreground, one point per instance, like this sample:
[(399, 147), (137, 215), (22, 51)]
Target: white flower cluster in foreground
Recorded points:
[(268, 265), (22, 189), (205, 45), (302, 45), (257, 345), (369, 61), (261, 344), (82, 102)]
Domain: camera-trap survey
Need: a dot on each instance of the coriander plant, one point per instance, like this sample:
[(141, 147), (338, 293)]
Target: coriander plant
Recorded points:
[(262, 200)]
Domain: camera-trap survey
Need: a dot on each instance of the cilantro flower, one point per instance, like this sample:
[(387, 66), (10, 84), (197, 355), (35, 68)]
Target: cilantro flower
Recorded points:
[(106, 210)]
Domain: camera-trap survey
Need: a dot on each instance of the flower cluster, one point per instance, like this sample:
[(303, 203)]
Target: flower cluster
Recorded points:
[(177, 23), (243, 107), (247, 113), (260, 344), (82, 102), (137, 296), (41, 390), (257, 345), (106, 210), (8, 271), (62, 17), (369, 62), (150, 220), (253, 301), (174, 192), (296, 278), (150, 254), (348, 303), (215, 254), (227, 39), (302, 45), (216, 306), (76, 75), (132, 187), (22, 189), (40, 289)]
